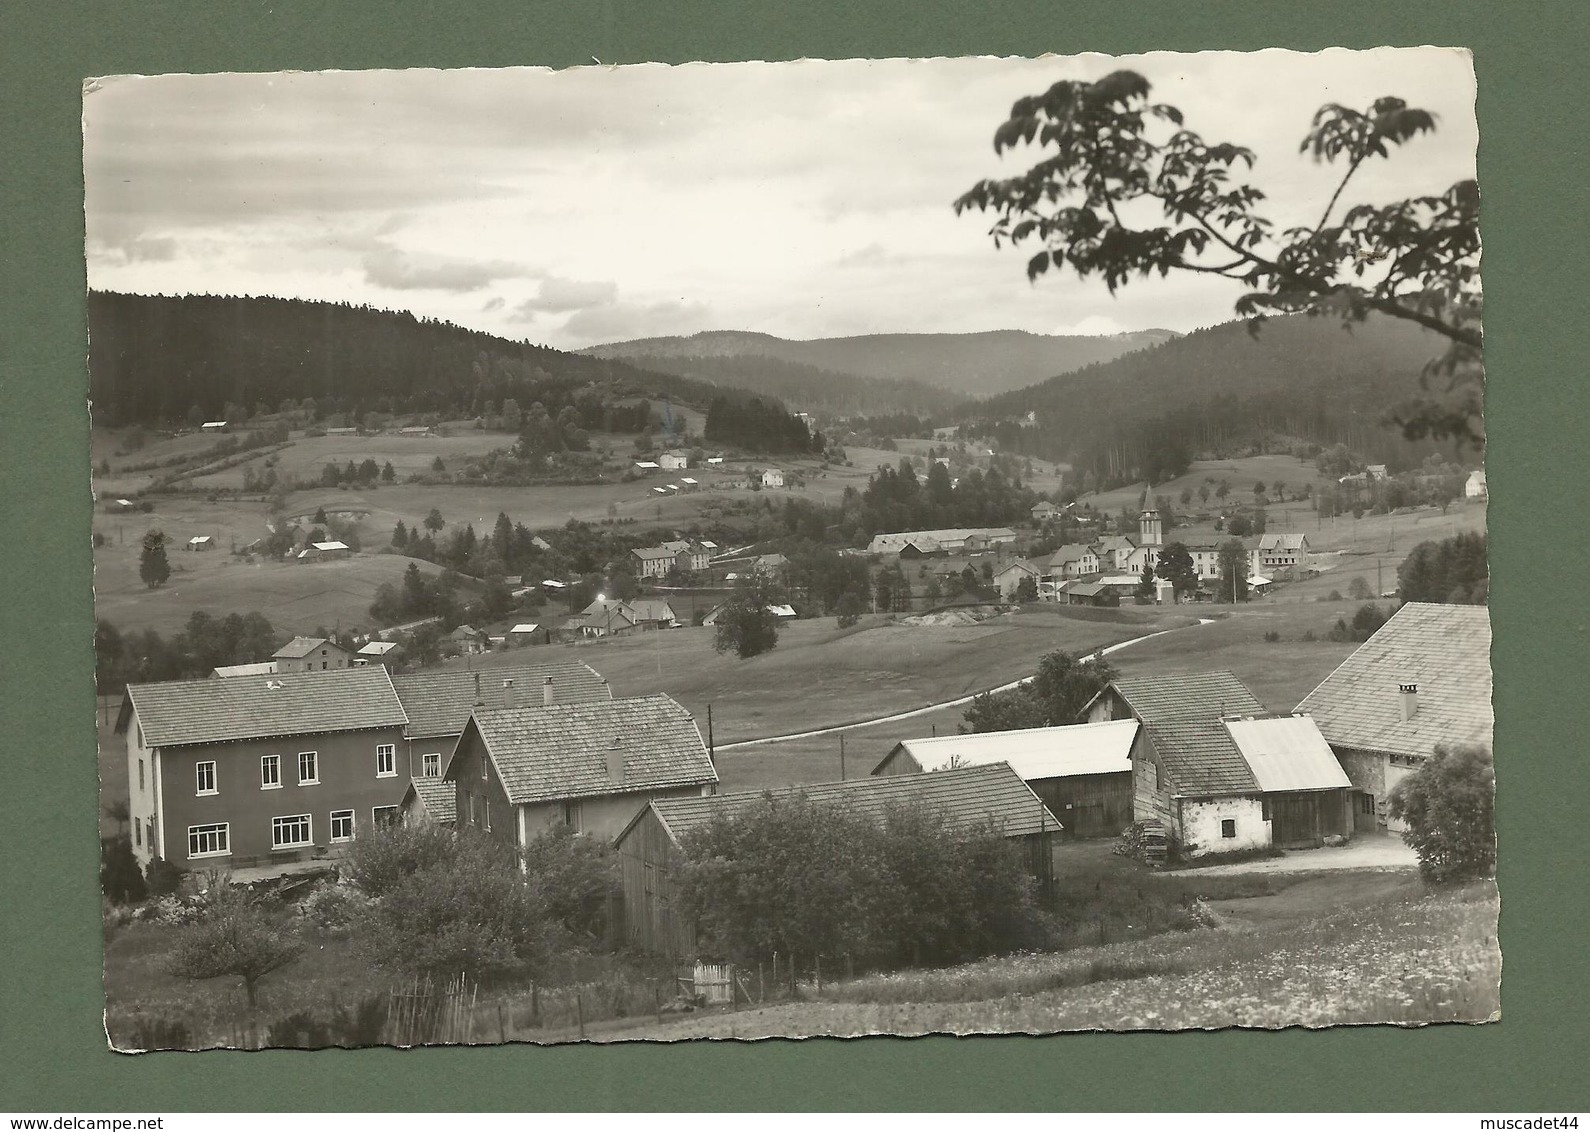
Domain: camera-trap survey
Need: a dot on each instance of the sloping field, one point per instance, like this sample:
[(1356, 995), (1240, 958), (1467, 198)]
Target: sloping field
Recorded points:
[(296, 598), (820, 675)]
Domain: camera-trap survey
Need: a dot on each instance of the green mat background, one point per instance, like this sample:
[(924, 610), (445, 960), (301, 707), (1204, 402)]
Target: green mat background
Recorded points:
[(52, 1049)]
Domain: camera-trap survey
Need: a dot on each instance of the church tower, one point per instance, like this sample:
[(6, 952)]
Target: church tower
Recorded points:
[(1148, 522)]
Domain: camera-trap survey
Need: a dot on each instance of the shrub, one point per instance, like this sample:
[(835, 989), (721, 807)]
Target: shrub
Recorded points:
[(333, 906), (1449, 804), (575, 877), (119, 876), (234, 936), (1358, 589), (1310, 636), (1272, 637), (161, 877), (381, 858), (1334, 595)]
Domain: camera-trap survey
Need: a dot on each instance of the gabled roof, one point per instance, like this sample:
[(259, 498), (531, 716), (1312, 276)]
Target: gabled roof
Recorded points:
[(1025, 565), (524, 627), (329, 545), (967, 795), (1071, 552), (439, 703), (198, 540), (378, 648), (300, 647), (1445, 650), (439, 797), (652, 553), (1184, 717), (188, 712), (653, 609), (1115, 542), (1033, 752), (1296, 541), (547, 753), (1287, 752)]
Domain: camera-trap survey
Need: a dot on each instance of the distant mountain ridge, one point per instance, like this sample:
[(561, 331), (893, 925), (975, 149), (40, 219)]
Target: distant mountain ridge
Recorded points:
[(972, 364)]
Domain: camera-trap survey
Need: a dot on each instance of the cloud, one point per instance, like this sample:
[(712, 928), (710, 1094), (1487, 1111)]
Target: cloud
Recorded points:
[(624, 321), (139, 249), (495, 304), (560, 296), (396, 270)]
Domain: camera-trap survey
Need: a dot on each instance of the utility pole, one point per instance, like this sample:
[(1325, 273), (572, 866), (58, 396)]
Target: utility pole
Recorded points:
[(841, 756), (712, 756)]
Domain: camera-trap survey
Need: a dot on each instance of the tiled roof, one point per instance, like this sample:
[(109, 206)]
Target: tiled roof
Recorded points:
[(547, 753), (300, 647), (1287, 752), (653, 609), (1183, 717), (439, 703), (188, 712), (1445, 650), (1033, 752), (968, 794), (1071, 552), (1283, 542), (439, 797), (259, 668), (652, 553)]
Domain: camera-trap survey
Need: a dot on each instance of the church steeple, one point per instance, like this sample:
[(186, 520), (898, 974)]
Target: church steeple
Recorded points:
[(1148, 524)]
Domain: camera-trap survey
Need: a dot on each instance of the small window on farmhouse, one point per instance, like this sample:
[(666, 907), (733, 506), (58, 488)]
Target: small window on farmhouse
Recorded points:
[(486, 805), (140, 774), (205, 773), (208, 840), (431, 765), (270, 772), (1366, 803), (384, 816), (573, 816), (138, 831), (290, 832), (1228, 827), (385, 760), (1264, 807), (308, 768)]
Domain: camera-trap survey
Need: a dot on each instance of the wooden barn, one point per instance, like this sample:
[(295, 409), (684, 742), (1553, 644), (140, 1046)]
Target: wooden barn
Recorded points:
[(652, 846), (1083, 774)]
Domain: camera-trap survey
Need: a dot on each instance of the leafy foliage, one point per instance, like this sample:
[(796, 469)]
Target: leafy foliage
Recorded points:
[(576, 878), (236, 936), (746, 626), (1449, 804), (153, 569), (1054, 697), (379, 859), (1176, 567), (1455, 571), (1117, 155)]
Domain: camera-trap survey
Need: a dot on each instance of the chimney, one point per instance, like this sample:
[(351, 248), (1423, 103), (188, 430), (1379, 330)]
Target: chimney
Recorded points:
[(508, 698), (546, 692), (1408, 695), (478, 701), (615, 763)]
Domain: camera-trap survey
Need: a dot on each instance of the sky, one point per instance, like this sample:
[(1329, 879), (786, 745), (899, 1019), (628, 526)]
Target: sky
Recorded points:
[(808, 199)]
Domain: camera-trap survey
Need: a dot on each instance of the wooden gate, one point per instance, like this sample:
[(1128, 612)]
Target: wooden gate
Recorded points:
[(714, 982)]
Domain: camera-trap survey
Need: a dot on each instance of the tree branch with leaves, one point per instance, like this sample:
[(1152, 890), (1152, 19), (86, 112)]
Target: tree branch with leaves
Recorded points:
[(1130, 192)]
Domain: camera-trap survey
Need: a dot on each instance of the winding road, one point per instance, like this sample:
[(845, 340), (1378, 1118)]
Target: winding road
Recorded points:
[(838, 727)]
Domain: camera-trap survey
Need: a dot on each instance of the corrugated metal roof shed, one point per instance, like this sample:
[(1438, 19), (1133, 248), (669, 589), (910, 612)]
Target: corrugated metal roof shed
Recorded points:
[(1445, 650), (969, 794), (547, 753), (1287, 752), (1034, 753), (189, 712)]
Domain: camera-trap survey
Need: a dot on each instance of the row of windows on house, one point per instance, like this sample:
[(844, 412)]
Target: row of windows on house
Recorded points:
[(270, 769), (295, 831)]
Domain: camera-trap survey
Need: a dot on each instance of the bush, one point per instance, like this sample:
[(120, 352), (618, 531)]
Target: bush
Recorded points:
[(1449, 804), (332, 906), (379, 859), (1309, 636), (235, 936), (1272, 637), (1359, 589), (119, 876), (161, 877), (576, 879)]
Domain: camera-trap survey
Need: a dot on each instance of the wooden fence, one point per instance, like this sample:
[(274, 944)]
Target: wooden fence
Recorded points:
[(423, 1014)]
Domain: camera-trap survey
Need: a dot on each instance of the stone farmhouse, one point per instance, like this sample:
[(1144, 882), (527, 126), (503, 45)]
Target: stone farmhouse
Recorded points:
[(311, 654), (1423, 680), (1219, 773)]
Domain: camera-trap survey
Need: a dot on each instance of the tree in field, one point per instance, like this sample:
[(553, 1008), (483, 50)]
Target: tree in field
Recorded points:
[(434, 521), (1176, 567), (153, 569), (400, 535), (848, 609), (1358, 589), (1241, 526), (236, 936), (1449, 804), (746, 625), (1027, 589), (1054, 697), (1454, 571), (388, 473), (1203, 493), (1222, 489), (1114, 157), (1233, 585)]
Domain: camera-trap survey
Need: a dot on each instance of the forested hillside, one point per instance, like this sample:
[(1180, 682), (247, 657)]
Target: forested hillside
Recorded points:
[(1221, 388), (155, 358), (805, 387), (970, 364)]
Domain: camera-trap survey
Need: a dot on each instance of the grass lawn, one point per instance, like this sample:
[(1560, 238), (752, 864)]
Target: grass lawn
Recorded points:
[(820, 675), (296, 598), (1240, 474), (1413, 958)]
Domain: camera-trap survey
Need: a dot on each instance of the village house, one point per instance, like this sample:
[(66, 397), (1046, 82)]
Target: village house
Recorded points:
[(652, 561), (200, 542), (689, 557), (646, 467), (1282, 552), (673, 461), (311, 654), (260, 770), (521, 771), (1113, 551), (781, 612), (524, 633), (1474, 487), (1043, 511), (773, 565), (651, 846), (653, 613), (258, 668), (429, 801), (1074, 560), (377, 652), (950, 540), (413, 431), (216, 426), (469, 640), (1220, 774), (1008, 579), (1082, 773), (1422, 680), (772, 477), (604, 617), (322, 551)]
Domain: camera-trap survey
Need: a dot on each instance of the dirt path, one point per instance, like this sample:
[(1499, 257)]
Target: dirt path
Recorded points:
[(1365, 851), (958, 702)]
